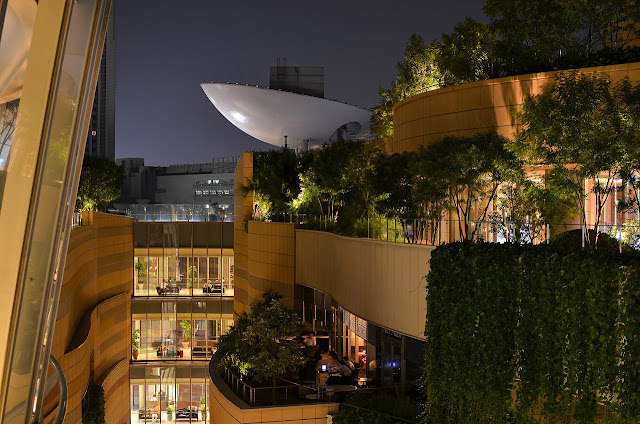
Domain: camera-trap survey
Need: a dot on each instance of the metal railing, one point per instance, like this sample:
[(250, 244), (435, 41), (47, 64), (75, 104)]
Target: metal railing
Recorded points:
[(76, 219), (178, 213), (438, 231), (62, 385), (262, 396)]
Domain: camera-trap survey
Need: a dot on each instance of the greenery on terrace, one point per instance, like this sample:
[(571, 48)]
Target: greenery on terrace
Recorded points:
[(593, 133), (522, 36), (257, 348), (100, 182)]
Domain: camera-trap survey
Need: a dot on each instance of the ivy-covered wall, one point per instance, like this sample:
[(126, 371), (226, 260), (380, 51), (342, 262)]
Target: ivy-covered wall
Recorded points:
[(93, 405), (545, 333)]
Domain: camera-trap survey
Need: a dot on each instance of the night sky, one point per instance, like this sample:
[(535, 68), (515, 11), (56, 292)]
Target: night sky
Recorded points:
[(165, 49)]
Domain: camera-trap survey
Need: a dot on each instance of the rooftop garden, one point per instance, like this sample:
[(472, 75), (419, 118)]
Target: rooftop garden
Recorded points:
[(522, 36), (353, 188)]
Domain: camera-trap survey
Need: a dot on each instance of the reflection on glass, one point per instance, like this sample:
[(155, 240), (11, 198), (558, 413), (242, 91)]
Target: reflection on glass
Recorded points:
[(182, 330), (57, 154), (183, 276), (169, 394)]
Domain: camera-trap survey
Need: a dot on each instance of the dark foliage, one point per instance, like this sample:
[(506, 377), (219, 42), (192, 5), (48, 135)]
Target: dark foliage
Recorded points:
[(515, 330), (93, 405)]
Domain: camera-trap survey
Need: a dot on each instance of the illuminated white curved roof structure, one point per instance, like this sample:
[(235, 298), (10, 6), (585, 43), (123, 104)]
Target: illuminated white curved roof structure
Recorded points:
[(269, 115)]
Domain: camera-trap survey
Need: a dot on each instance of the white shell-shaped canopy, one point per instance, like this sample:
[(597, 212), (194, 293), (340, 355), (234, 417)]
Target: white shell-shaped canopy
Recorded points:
[(269, 115)]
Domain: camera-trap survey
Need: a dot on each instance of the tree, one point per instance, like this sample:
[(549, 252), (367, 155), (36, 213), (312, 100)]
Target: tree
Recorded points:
[(430, 192), (100, 182), (275, 182), (532, 33), (473, 169), (467, 54), (340, 173), (612, 23), (8, 120), (541, 35), (415, 74), (577, 125), (259, 344), (518, 217), (630, 97), (393, 180), (270, 325)]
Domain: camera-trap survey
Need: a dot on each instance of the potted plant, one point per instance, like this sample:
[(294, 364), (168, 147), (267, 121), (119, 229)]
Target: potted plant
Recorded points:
[(186, 333), (203, 409), (140, 268), (170, 411), (135, 343), (192, 273)]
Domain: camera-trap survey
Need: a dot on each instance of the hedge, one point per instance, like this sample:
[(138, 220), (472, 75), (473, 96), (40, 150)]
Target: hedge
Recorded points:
[(525, 334)]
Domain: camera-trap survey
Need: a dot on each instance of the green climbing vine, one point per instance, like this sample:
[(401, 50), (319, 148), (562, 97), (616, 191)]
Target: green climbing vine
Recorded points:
[(93, 405), (531, 334)]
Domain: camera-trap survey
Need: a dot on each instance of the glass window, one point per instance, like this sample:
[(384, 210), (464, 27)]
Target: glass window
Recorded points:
[(155, 235)]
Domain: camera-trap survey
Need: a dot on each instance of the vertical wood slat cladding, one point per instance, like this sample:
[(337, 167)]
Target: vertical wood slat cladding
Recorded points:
[(93, 326), (243, 211)]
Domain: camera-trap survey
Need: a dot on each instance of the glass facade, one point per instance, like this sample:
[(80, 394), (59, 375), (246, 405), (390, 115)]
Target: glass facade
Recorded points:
[(181, 329), (182, 212), (48, 56), (182, 304), (183, 259), (161, 394), (388, 358)]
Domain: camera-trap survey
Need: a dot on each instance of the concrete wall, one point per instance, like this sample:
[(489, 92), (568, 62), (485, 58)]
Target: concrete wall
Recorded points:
[(379, 281), (476, 107), (177, 188), (93, 328)]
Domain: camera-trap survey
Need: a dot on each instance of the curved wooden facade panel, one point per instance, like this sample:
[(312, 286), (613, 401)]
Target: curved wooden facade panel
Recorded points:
[(236, 412), (93, 329), (271, 258), (381, 282), (476, 107)]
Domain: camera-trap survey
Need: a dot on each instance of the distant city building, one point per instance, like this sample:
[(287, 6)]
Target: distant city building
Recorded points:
[(101, 137), (186, 192), (308, 80)]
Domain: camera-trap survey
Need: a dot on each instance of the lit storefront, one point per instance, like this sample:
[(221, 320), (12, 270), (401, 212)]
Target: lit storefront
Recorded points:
[(162, 324), (183, 259), (389, 358), (166, 393)]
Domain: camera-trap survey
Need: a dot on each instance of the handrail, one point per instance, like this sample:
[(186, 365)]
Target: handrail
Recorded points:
[(62, 402), (233, 380), (62, 385)]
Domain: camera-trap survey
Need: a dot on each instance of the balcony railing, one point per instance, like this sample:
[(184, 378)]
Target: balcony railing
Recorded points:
[(288, 393), (436, 232)]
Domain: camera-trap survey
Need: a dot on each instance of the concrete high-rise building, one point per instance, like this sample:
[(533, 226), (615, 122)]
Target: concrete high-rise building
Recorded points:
[(307, 80), (198, 191), (101, 137)]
